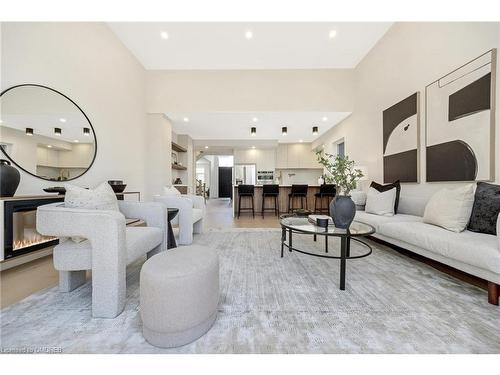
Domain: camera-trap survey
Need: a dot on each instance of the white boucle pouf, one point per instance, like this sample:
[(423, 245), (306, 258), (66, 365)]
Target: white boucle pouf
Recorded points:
[(179, 295)]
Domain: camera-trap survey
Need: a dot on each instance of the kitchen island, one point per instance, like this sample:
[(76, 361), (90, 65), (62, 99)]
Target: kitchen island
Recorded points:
[(282, 199)]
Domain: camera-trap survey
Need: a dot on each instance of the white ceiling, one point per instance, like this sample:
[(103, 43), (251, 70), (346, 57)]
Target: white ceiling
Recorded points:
[(235, 126), (273, 45)]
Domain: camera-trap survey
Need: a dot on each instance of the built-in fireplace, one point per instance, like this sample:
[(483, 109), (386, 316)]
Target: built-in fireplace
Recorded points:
[(20, 235)]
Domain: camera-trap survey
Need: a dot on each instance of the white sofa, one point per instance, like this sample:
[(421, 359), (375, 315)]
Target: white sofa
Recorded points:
[(477, 254), (190, 216)]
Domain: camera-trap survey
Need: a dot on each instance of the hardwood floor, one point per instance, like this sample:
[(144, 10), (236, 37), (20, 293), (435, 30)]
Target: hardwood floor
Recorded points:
[(21, 281), (219, 215)]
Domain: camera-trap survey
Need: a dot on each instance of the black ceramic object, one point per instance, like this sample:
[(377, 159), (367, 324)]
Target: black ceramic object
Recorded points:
[(118, 188), (342, 211), (9, 179), (55, 189), (323, 223)]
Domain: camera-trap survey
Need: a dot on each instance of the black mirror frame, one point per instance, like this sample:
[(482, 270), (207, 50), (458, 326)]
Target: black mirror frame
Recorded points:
[(77, 106)]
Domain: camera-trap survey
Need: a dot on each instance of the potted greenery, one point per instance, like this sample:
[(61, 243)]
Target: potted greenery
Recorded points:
[(345, 177)]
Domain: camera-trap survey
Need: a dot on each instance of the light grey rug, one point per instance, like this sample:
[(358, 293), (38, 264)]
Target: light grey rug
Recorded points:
[(292, 305)]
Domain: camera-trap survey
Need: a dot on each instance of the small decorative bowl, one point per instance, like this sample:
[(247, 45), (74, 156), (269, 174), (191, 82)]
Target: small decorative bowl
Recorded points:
[(323, 223), (115, 182), (56, 189)]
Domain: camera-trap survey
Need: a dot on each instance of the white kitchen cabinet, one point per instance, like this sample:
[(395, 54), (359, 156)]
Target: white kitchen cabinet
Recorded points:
[(282, 156), (296, 156)]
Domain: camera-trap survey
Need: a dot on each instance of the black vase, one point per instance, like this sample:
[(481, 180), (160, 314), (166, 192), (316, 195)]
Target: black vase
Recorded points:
[(342, 211), (9, 179)]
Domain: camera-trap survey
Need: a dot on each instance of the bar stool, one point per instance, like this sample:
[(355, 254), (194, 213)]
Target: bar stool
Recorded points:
[(298, 191), (325, 190), (271, 191), (246, 191)]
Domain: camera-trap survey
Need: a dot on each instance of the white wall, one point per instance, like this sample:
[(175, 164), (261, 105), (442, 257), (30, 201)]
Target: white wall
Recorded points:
[(89, 64), (158, 168), (405, 60)]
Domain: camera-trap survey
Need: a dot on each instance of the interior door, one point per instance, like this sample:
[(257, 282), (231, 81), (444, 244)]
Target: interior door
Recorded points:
[(225, 182)]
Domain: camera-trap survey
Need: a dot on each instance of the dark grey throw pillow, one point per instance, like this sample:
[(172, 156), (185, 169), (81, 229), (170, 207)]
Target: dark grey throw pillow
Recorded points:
[(485, 209), (382, 188)]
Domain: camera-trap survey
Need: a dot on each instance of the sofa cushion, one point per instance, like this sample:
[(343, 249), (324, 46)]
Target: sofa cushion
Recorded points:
[(380, 203), (485, 209), (171, 190), (382, 188), (69, 255), (477, 249), (377, 220), (141, 240), (450, 208)]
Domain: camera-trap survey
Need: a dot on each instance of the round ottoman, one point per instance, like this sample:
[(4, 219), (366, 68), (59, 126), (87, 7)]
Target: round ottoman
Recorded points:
[(179, 294)]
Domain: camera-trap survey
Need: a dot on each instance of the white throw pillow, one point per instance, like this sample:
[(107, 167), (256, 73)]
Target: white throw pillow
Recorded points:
[(450, 208), (380, 203), (171, 191), (101, 198)]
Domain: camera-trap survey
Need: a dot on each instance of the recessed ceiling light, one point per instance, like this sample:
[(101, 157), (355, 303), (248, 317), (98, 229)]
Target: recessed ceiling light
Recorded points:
[(76, 141), (332, 34), (186, 119), (255, 119), (206, 146), (248, 34), (301, 140), (62, 120), (49, 146), (164, 35), (253, 146), (324, 118)]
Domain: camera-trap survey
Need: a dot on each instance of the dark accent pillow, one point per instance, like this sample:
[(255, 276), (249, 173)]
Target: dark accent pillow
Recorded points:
[(485, 209), (386, 187)]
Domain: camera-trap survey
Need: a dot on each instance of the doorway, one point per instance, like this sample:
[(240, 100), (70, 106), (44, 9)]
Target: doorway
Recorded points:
[(225, 182)]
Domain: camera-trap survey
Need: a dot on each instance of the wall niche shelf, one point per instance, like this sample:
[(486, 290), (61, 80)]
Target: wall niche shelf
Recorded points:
[(179, 167), (178, 148)]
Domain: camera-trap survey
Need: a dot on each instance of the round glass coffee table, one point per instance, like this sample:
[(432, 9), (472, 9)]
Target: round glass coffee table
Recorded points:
[(301, 225)]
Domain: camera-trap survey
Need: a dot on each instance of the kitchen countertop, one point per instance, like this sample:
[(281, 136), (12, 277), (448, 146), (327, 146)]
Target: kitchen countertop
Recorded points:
[(282, 186)]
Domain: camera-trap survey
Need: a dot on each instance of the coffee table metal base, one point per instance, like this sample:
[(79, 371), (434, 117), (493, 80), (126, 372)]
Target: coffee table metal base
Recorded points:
[(345, 250)]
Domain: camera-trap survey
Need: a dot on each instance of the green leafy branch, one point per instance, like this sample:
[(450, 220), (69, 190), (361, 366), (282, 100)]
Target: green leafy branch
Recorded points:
[(341, 170)]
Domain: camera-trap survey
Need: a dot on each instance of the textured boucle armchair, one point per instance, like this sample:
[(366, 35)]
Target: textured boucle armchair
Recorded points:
[(191, 214), (109, 247)]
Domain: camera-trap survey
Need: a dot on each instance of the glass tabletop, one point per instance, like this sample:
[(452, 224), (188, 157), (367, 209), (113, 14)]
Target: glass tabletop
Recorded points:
[(302, 224)]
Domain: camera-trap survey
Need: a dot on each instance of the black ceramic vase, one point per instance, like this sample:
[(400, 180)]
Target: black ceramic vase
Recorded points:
[(9, 179), (342, 211)]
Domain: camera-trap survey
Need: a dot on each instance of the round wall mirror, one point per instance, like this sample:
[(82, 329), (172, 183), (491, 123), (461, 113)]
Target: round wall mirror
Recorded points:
[(45, 133)]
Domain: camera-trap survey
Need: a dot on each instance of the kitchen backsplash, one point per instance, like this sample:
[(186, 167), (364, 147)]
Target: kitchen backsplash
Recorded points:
[(299, 176)]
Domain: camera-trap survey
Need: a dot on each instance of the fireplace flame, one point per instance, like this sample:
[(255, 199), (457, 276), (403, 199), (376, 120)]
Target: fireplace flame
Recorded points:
[(27, 242)]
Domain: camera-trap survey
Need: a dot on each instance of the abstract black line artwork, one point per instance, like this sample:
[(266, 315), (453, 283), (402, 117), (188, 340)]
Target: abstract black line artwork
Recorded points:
[(400, 137), (460, 123)]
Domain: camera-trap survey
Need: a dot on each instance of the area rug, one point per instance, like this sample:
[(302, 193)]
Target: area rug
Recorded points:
[(268, 304)]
